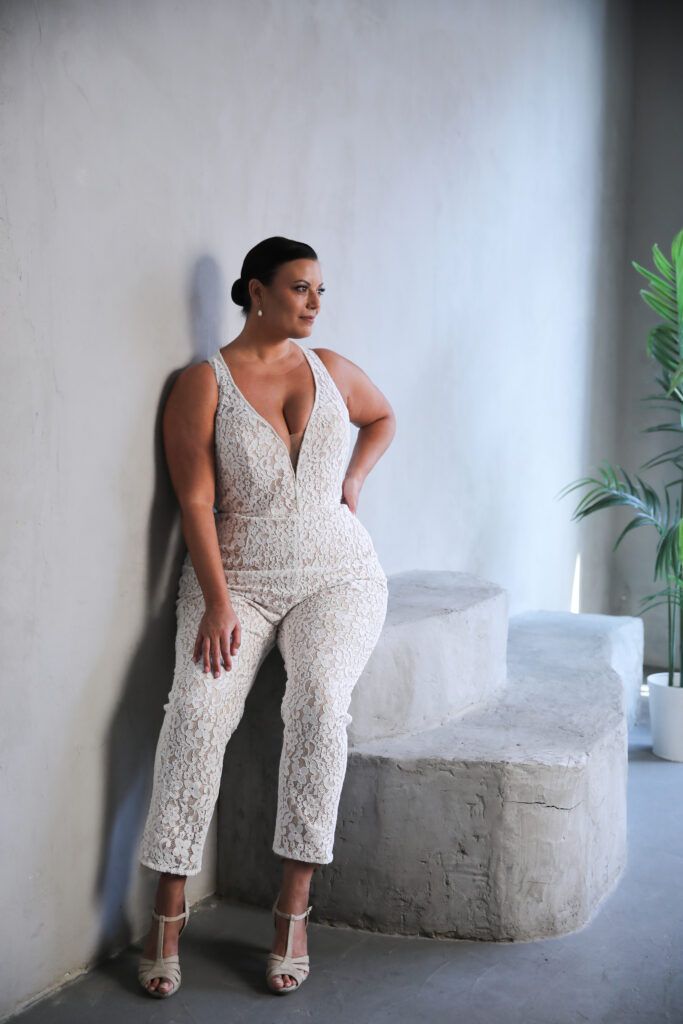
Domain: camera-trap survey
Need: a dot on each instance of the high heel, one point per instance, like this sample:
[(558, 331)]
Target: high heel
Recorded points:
[(297, 967), (164, 967)]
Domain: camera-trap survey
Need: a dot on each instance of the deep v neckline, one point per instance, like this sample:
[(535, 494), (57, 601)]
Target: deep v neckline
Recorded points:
[(270, 426)]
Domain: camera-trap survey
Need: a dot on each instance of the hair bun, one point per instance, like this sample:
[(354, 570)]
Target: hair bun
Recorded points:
[(237, 291)]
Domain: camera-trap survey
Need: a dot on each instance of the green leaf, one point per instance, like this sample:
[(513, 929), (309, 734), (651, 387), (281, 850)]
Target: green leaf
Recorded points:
[(677, 428), (662, 345), (663, 288), (677, 259), (667, 310), (673, 455), (662, 264)]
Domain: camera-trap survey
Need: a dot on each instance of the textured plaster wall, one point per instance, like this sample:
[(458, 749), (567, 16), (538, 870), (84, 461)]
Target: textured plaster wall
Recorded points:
[(460, 170)]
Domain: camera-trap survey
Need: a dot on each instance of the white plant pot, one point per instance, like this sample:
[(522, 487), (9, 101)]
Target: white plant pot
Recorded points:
[(666, 715)]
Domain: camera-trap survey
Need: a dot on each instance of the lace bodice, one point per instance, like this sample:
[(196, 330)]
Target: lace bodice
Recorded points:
[(255, 472)]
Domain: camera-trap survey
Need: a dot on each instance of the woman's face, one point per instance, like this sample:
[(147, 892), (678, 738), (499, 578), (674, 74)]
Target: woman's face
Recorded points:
[(292, 301)]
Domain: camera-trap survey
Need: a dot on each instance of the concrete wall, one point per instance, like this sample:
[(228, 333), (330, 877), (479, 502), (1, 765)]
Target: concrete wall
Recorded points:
[(654, 211), (460, 170)]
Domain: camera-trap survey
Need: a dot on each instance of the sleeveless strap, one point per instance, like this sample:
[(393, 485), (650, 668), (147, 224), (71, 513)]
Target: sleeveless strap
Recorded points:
[(218, 368), (327, 383)]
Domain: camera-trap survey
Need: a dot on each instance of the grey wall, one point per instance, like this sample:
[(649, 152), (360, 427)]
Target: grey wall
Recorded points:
[(460, 169), (654, 210)]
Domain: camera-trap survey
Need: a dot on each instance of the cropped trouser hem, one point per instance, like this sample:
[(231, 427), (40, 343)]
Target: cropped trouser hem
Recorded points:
[(315, 856), (308, 857), (170, 869)]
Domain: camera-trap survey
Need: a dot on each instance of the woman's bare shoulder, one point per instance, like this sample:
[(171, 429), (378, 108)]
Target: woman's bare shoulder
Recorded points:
[(338, 368), (195, 389), (364, 400), (336, 360), (337, 364), (328, 355), (345, 373)]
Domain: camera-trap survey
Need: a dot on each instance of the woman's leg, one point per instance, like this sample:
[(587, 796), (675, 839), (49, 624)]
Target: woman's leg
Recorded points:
[(201, 714), (169, 901), (326, 641), (293, 899)]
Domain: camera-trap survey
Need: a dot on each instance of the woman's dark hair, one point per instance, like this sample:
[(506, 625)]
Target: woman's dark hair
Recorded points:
[(262, 261)]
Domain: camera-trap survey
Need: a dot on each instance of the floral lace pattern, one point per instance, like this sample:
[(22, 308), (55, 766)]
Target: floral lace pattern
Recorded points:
[(302, 573)]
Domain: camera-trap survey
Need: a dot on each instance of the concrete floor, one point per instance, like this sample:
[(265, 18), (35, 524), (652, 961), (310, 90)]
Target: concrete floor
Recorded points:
[(624, 967)]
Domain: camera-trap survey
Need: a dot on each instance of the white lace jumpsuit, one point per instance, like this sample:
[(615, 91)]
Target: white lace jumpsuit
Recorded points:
[(302, 572)]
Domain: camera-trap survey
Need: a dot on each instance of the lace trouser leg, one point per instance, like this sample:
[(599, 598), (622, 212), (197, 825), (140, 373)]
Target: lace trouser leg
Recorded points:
[(201, 714), (326, 640)]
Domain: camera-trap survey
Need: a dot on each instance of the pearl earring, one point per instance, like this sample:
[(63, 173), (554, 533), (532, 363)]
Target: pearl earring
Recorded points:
[(260, 312)]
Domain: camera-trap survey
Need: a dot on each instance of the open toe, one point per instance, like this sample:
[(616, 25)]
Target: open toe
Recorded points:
[(164, 968), (295, 967)]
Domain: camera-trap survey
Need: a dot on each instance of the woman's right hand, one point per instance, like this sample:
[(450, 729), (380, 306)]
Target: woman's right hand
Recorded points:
[(219, 634)]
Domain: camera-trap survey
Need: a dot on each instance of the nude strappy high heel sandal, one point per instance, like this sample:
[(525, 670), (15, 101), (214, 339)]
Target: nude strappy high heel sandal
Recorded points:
[(296, 967), (167, 967)]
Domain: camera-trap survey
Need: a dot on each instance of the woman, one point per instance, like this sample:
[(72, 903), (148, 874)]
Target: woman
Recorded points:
[(261, 432)]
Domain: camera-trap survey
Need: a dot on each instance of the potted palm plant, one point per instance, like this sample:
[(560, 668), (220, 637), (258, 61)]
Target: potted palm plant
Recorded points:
[(615, 487)]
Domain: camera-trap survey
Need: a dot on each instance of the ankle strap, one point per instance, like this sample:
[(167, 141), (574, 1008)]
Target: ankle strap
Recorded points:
[(164, 917), (292, 917)]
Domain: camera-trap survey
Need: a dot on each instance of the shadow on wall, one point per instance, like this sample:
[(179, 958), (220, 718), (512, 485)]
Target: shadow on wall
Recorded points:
[(131, 739)]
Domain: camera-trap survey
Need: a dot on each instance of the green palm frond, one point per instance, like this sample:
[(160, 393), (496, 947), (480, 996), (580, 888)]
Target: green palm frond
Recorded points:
[(662, 264), (612, 486), (672, 595), (667, 310), (673, 455), (669, 404), (609, 491), (677, 428), (677, 259), (668, 552), (666, 288)]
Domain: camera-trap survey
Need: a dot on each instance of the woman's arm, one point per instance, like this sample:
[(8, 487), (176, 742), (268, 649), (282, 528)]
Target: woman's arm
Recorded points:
[(369, 410), (188, 433)]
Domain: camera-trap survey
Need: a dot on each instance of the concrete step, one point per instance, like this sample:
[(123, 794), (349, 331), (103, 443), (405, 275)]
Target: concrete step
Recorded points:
[(506, 821), (442, 650)]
